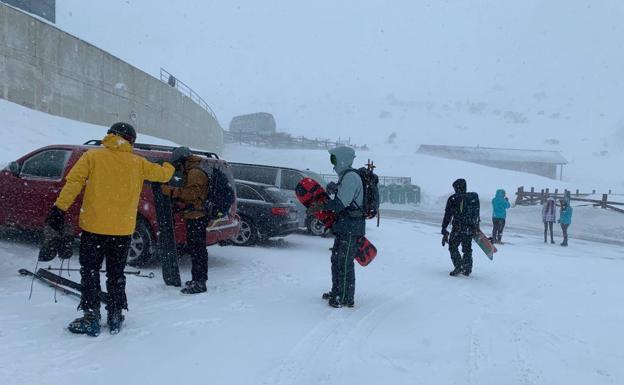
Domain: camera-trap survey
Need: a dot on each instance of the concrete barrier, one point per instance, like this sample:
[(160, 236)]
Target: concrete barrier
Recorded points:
[(44, 68)]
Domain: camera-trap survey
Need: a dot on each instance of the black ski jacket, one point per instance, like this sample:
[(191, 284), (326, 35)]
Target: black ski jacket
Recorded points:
[(462, 211)]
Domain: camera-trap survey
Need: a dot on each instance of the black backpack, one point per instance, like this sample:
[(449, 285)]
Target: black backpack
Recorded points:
[(468, 209), (221, 195), (370, 198)]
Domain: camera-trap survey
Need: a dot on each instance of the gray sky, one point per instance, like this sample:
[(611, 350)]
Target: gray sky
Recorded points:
[(329, 67)]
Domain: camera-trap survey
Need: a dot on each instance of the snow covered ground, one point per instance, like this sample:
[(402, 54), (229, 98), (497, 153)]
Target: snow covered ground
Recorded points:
[(537, 314)]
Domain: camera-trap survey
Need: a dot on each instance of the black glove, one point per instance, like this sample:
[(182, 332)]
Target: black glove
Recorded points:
[(445, 237), (332, 188), (55, 219)]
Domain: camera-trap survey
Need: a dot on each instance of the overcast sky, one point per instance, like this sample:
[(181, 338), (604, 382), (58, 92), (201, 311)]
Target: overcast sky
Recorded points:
[(322, 65)]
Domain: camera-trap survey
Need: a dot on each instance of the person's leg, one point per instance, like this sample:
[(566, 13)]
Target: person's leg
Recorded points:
[(454, 242), (494, 229), (500, 230), (545, 231), (349, 268), (466, 243), (564, 229), (91, 258), (116, 250), (552, 238), (196, 243), (336, 267)]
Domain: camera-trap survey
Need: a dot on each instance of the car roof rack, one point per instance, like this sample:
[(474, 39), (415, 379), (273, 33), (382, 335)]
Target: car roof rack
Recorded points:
[(155, 147)]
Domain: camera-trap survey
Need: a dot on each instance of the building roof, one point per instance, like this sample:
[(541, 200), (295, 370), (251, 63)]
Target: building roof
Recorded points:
[(490, 154)]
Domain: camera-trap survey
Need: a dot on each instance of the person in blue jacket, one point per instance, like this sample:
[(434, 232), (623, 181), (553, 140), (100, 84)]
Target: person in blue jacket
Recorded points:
[(565, 219), (500, 204)]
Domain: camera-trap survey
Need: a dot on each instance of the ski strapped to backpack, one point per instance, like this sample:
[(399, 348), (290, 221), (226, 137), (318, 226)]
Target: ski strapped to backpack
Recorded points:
[(370, 192), (221, 195)]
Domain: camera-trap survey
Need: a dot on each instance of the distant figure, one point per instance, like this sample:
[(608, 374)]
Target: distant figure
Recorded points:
[(500, 204), (462, 211), (565, 219), (549, 216)]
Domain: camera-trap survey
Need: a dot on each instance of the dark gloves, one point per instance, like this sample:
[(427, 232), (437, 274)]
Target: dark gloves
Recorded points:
[(332, 188), (445, 237), (55, 219)]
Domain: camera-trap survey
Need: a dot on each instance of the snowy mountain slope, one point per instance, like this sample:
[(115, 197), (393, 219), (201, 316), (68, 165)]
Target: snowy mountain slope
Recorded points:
[(537, 314), (23, 130)]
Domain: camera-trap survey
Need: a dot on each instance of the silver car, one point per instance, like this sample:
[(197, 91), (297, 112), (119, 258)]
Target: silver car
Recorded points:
[(285, 179)]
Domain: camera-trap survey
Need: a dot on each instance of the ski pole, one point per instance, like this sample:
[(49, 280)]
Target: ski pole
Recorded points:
[(137, 272)]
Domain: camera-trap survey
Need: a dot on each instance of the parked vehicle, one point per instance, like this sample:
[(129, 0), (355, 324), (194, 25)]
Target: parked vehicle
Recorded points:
[(265, 212), (29, 186), (285, 179)]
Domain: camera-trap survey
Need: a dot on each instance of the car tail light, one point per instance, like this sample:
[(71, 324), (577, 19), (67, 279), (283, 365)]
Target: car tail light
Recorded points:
[(280, 211)]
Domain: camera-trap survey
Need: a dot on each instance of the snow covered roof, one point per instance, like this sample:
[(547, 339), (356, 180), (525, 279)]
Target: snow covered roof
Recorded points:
[(485, 154)]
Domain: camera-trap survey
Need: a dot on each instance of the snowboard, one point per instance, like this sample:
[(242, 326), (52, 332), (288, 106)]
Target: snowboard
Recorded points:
[(309, 192), (485, 244), (166, 249)]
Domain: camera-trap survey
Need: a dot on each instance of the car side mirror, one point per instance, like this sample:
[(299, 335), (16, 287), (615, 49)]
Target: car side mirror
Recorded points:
[(14, 168)]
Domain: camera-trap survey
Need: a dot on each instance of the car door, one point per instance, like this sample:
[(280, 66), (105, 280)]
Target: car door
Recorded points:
[(288, 182), (40, 181)]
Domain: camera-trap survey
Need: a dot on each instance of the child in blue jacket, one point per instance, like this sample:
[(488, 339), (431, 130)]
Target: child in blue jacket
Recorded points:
[(565, 219), (500, 204)]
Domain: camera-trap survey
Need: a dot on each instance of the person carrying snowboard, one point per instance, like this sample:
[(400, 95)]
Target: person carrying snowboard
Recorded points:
[(565, 219), (112, 178), (549, 215), (500, 204), (462, 211), (191, 198), (348, 198)]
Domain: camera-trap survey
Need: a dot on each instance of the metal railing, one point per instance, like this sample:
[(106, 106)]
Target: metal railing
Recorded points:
[(533, 197), (168, 78), (283, 140), (383, 180)]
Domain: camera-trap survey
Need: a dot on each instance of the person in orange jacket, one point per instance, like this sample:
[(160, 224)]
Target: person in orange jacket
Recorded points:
[(191, 198), (112, 178)]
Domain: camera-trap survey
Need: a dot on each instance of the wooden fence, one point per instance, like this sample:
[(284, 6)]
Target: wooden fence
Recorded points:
[(533, 197)]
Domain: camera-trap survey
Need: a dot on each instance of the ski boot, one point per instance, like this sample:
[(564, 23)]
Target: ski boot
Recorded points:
[(466, 272), (337, 303), (88, 324), (457, 271), (115, 321), (328, 295), (195, 287)]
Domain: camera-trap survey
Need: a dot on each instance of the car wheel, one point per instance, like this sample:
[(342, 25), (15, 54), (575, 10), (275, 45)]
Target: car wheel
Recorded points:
[(316, 227), (141, 245), (247, 235)]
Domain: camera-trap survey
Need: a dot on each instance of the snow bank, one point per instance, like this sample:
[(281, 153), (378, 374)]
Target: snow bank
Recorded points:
[(23, 130)]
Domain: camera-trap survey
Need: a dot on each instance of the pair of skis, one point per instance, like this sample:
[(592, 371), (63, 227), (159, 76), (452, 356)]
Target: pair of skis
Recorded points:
[(64, 285)]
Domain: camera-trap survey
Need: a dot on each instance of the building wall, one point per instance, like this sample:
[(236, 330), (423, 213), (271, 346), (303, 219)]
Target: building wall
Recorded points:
[(46, 69), (41, 8)]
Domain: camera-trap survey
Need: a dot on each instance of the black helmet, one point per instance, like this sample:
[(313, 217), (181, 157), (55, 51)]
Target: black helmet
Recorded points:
[(124, 130), (180, 154)]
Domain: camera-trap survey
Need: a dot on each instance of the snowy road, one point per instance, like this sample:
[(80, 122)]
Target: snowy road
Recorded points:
[(537, 314)]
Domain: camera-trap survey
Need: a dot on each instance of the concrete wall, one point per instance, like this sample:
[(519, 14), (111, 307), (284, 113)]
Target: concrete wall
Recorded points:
[(41, 8), (46, 69)]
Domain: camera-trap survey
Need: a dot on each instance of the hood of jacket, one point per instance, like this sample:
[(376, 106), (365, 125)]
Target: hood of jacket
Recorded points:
[(344, 158), (500, 194), (116, 143), (460, 186), (193, 161)]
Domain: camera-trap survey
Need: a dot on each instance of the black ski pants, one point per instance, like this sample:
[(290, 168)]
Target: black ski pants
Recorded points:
[(94, 249), (548, 226), (464, 239), (196, 247), (497, 232), (342, 267)]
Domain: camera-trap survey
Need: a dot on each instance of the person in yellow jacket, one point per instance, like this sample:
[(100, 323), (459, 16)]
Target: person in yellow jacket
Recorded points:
[(112, 178)]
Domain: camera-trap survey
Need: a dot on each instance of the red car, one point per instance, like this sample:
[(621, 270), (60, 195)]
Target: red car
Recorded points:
[(30, 185)]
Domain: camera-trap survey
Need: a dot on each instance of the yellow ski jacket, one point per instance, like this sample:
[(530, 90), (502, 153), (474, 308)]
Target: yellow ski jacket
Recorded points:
[(112, 178)]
